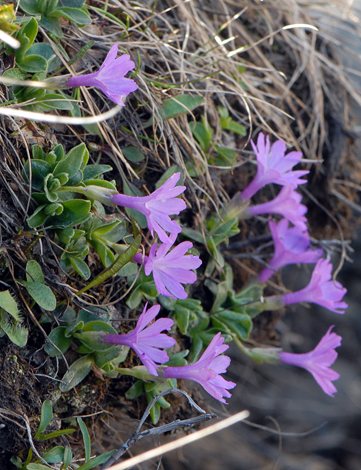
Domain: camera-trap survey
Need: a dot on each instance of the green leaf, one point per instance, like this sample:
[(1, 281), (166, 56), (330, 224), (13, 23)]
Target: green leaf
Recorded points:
[(94, 171), (73, 161), (79, 17), (182, 319), (227, 156), (135, 390), (58, 337), (133, 154), (86, 439), (55, 101), (52, 24), (45, 418), (36, 466), (54, 455), (233, 126), (45, 50), (31, 7), (26, 35), (34, 272), (39, 170), (237, 323), (8, 303), (52, 435), (42, 294), (75, 212), (76, 373), (135, 298), (67, 457), (97, 461), (14, 73), (111, 232), (174, 107), (80, 267), (93, 333), (33, 64), (71, 3), (193, 235), (203, 132), (16, 333)]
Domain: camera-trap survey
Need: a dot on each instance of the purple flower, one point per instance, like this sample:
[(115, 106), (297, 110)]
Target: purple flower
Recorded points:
[(318, 361), (110, 77), (145, 341), (321, 290), (290, 248), (288, 204), (206, 371), (273, 166), (158, 206), (171, 269)]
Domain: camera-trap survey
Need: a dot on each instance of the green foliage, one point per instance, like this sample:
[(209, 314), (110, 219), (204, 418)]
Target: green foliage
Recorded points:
[(10, 320), (203, 132), (56, 177), (153, 389), (36, 288), (228, 123), (232, 313), (184, 312), (133, 154), (177, 106), (144, 286), (30, 57), (51, 10)]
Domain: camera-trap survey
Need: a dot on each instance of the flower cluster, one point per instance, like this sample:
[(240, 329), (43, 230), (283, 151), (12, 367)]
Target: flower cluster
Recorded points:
[(291, 245), (145, 340)]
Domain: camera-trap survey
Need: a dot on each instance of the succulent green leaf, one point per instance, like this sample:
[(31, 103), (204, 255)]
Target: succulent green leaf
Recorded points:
[(58, 337), (79, 17), (76, 373), (45, 418), (34, 272), (74, 212), (8, 303), (74, 161), (53, 25), (133, 154), (135, 390), (54, 455), (94, 171), (42, 294), (97, 461), (174, 107), (86, 439), (33, 64), (203, 132)]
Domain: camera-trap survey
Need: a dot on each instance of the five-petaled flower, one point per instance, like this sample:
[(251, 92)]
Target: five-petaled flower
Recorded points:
[(158, 206), (291, 247), (273, 166), (110, 77), (172, 268), (287, 203), (206, 371), (321, 290), (146, 340), (318, 361)]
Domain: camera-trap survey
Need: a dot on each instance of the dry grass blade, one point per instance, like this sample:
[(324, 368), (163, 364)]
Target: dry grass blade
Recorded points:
[(75, 121), (225, 423)]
